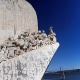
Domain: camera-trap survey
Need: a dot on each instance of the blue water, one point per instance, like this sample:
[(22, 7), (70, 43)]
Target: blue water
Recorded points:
[(68, 76)]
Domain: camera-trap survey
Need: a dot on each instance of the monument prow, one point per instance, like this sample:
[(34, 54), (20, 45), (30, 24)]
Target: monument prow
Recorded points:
[(26, 57)]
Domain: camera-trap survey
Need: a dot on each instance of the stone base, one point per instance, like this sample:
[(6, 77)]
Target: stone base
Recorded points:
[(28, 66)]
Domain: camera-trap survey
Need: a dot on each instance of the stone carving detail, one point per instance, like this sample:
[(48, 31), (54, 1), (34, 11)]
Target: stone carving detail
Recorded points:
[(25, 42)]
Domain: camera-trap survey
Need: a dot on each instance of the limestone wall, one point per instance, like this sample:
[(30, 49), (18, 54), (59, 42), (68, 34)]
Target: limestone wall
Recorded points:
[(18, 14), (28, 66)]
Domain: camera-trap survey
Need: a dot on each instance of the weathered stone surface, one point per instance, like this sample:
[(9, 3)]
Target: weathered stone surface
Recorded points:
[(16, 16), (27, 55), (28, 66)]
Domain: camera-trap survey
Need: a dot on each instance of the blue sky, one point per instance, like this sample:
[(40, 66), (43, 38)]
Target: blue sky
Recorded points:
[(64, 16)]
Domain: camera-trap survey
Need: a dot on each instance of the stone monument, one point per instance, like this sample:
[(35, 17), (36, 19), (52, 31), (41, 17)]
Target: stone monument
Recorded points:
[(25, 52)]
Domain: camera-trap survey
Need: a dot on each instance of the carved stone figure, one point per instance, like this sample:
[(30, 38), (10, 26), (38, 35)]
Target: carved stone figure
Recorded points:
[(11, 52), (25, 46), (51, 31), (39, 32), (26, 34), (16, 51), (43, 35), (21, 42), (51, 36)]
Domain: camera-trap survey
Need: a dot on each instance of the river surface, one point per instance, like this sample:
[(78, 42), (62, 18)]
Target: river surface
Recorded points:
[(68, 76)]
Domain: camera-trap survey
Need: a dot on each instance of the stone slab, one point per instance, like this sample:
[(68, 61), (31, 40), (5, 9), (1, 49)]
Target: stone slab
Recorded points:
[(28, 66)]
